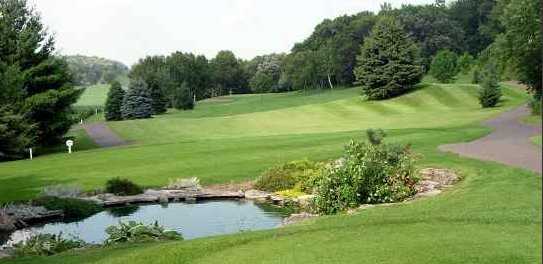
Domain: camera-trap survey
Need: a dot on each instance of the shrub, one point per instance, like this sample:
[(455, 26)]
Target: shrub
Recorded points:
[(120, 186), (535, 105), (287, 176), (389, 63), (490, 92), (371, 173), (476, 78), (138, 232), (443, 66), (73, 208), (46, 245), (375, 136), (464, 63)]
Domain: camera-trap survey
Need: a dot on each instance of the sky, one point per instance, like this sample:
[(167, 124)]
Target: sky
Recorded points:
[(126, 30)]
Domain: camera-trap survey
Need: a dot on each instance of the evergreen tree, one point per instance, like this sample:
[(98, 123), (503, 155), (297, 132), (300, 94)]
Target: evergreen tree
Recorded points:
[(137, 102), (444, 66), (39, 84), (183, 98), (114, 102), (490, 92), (15, 135), (389, 63)]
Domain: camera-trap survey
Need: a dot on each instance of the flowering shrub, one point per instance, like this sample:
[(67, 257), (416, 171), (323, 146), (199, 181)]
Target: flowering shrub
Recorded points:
[(370, 173), (300, 173)]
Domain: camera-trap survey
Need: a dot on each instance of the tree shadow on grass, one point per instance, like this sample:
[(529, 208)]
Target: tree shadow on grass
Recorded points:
[(22, 188)]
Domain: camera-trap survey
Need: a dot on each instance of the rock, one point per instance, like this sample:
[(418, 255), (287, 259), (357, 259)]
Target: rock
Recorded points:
[(256, 195), (4, 254), (296, 218), (7, 225), (428, 193), (163, 198), (276, 199)]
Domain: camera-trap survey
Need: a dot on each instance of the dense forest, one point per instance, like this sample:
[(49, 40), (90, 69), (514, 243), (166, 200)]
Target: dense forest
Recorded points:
[(477, 32)]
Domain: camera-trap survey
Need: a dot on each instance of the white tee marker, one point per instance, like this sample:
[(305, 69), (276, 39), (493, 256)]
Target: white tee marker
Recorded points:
[(69, 144)]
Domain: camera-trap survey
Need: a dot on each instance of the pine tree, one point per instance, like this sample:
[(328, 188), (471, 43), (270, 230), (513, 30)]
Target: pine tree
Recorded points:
[(15, 135), (114, 102), (490, 92), (137, 102), (389, 63), (38, 84), (183, 98)]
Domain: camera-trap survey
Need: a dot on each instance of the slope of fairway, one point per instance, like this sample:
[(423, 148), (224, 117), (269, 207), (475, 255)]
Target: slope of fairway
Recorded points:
[(294, 113), (94, 95), (255, 134)]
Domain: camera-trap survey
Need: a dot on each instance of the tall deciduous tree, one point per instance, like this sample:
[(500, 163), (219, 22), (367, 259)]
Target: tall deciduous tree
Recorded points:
[(38, 84), (183, 98), (137, 102), (114, 102), (228, 74), (389, 63)]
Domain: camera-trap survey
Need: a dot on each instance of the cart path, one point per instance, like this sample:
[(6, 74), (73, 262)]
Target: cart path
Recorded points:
[(102, 135), (509, 143)]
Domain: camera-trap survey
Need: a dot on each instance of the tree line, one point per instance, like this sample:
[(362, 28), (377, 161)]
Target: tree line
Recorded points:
[(386, 53)]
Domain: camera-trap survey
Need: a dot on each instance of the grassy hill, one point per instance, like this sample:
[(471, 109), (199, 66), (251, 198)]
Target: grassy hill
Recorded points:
[(94, 95), (492, 216), (235, 138)]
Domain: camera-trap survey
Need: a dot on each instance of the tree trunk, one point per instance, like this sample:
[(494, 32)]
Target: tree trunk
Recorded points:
[(330, 82)]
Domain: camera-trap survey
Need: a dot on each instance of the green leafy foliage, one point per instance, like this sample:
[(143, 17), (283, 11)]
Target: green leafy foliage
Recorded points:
[(490, 92), (114, 102), (73, 208), (137, 102), (151, 70), (370, 173), (301, 174), (132, 232), (46, 245), (444, 66), (183, 98), (389, 63), (120, 186), (465, 63), (432, 27)]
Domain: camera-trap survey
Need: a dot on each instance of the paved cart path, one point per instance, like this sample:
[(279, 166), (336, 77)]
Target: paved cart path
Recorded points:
[(102, 135), (509, 143)]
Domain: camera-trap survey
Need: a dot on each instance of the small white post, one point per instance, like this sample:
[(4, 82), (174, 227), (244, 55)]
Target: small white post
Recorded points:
[(30, 151), (69, 144)]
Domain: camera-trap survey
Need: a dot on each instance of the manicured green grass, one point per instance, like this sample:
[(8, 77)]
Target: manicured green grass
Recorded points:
[(94, 95), (492, 216), (537, 140), (237, 147)]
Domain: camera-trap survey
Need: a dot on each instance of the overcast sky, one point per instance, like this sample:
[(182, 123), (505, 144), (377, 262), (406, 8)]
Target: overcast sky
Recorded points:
[(127, 30)]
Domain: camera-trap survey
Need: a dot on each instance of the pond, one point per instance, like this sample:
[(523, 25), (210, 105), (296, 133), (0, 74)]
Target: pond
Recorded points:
[(192, 220)]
